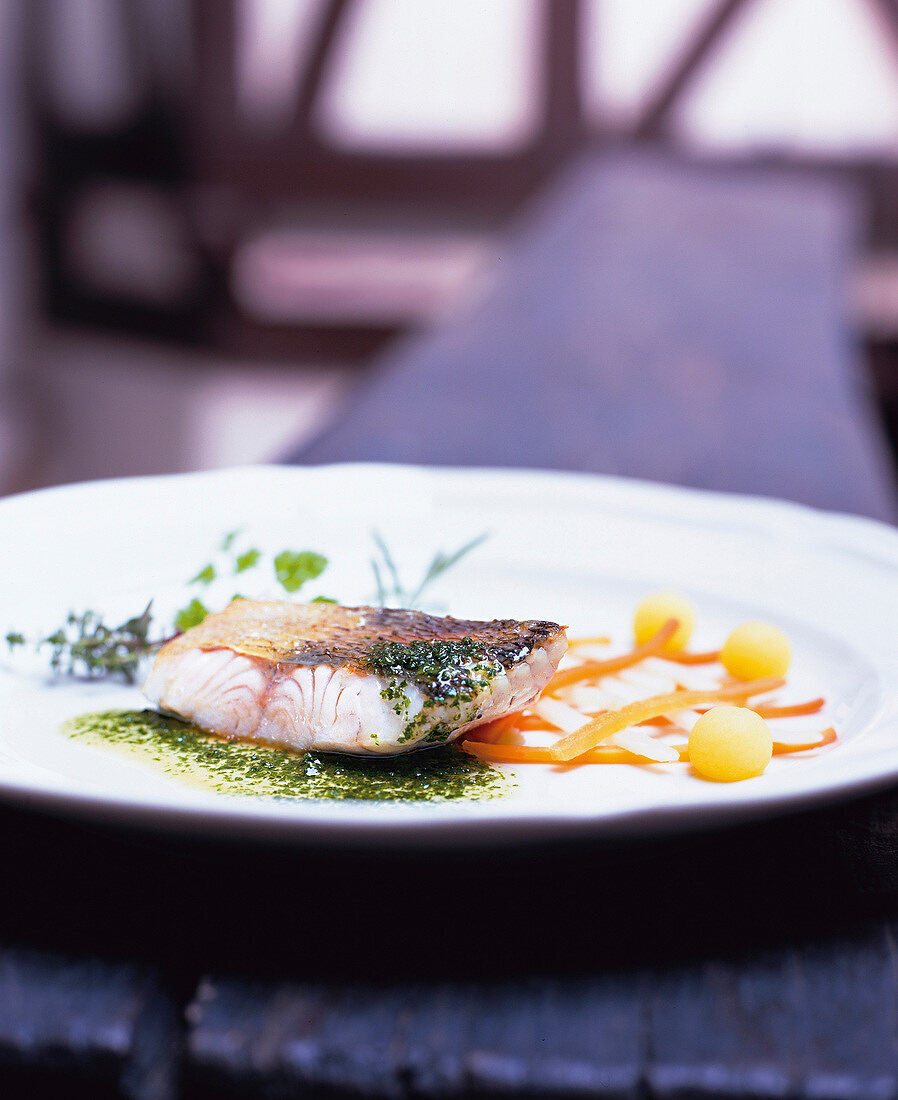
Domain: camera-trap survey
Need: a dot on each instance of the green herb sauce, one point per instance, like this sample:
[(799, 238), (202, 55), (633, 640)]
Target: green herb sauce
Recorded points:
[(242, 768)]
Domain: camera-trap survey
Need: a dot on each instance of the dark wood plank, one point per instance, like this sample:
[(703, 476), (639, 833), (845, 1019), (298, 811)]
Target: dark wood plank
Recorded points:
[(849, 1014), (715, 1030), (653, 320), (814, 1021), (86, 1027), (538, 1038), (527, 983)]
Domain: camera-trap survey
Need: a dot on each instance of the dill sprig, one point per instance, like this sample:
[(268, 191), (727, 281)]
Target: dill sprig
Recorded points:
[(390, 590)]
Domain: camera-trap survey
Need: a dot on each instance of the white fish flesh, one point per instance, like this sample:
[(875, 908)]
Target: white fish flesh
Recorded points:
[(350, 679)]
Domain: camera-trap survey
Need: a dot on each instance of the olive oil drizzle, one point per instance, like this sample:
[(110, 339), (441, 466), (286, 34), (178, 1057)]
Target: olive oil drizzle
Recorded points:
[(440, 774)]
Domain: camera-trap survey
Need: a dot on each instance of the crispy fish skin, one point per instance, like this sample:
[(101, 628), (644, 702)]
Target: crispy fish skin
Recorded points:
[(350, 679)]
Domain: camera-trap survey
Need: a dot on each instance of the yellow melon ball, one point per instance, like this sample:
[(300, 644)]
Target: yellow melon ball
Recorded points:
[(655, 610), (729, 743), (756, 649)]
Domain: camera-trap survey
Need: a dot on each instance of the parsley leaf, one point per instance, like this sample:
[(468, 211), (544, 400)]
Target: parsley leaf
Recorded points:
[(191, 615), (228, 541), (246, 560), (293, 568)]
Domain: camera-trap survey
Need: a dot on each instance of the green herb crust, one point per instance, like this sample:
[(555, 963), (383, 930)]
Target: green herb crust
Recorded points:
[(450, 674), (443, 670)]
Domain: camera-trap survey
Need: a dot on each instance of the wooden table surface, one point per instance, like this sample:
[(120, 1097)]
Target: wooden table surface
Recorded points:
[(652, 321), (649, 321)]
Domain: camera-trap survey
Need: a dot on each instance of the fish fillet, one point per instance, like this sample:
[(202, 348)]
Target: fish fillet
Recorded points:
[(350, 679)]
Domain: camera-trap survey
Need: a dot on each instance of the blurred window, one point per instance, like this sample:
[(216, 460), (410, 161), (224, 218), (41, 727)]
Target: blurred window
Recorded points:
[(349, 162), (427, 74), (444, 73), (799, 75), (627, 47), (273, 41), (804, 76)]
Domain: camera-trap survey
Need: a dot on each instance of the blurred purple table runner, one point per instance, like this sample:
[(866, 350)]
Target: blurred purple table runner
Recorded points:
[(651, 320)]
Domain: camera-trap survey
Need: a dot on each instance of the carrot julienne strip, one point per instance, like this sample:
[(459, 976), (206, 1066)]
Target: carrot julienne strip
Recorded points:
[(593, 670), (601, 639), (794, 710), (537, 754), (706, 658), (782, 748), (530, 722), (493, 732), (592, 733), (609, 754)]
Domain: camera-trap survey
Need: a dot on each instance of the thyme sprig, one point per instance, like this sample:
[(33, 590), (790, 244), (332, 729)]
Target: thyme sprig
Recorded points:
[(86, 646)]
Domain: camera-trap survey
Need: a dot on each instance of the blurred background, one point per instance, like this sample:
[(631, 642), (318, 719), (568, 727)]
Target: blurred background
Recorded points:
[(216, 214)]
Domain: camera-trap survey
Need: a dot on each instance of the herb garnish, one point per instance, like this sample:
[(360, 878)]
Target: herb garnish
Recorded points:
[(86, 646), (191, 615), (247, 560), (394, 593), (205, 576), (293, 570)]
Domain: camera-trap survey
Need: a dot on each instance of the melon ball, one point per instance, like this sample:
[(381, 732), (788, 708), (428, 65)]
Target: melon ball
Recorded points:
[(655, 610), (729, 743), (756, 649)]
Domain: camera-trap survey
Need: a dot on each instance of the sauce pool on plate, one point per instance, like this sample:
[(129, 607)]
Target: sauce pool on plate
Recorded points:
[(178, 749)]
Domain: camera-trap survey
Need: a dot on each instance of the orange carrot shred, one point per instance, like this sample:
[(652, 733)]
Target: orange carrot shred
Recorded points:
[(827, 736), (601, 639), (782, 748), (794, 710), (705, 658), (490, 732), (608, 754), (493, 732), (537, 754), (592, 733), (593, 670), (530, 722)]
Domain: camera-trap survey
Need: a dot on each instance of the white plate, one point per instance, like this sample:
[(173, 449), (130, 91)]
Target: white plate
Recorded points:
[(572, 548)]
